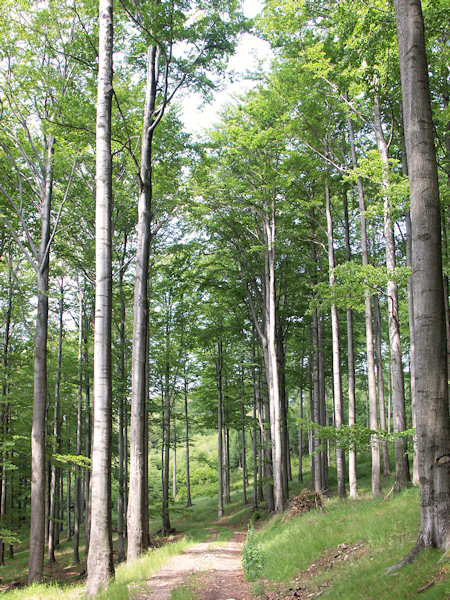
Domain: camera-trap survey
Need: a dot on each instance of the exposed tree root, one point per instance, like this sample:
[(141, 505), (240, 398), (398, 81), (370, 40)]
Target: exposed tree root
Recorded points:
[(408, 558)]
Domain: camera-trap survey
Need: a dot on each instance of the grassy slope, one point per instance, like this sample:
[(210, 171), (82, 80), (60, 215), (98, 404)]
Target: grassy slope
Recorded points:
[(383, 530)]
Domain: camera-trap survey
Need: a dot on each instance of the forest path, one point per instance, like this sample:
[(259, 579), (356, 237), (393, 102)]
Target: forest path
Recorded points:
[(217, 569)]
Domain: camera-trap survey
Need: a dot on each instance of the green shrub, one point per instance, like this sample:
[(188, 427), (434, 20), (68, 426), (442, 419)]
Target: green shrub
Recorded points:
[(252, 556)]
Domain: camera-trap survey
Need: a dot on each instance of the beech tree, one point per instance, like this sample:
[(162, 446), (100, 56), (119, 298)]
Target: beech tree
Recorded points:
[(432, 416), (99, 564)]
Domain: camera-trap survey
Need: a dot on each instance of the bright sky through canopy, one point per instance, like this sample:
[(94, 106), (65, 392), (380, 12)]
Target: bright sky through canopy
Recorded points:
[(197, 116)]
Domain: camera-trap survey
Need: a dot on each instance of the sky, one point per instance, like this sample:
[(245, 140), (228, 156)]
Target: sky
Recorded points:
[(198, 116)]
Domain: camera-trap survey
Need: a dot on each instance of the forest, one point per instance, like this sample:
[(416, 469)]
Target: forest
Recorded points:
[(259, 306)]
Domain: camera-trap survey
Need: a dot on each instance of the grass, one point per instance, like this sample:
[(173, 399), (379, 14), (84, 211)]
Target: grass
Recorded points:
[(383, 531), (194, 524)]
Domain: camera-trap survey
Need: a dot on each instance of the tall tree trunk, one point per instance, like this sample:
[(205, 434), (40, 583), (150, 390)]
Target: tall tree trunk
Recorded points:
[(166, 463), (121, 410), (433, 430), (186, 433), (139, 360), (380, 381), (227, 462), (55, 471), (219, 365), (77, 505), (352, 478), (270, 352), (315, 407), (87, 436), (99, 563), (244, 458), (283, 414), (323, 406), (174, 463), (372, 390), (402, 477), (337, 380), (4, 403), (68, 502), (255, 399), (300, 429), (37, 527), (412, 335), (268, 462)]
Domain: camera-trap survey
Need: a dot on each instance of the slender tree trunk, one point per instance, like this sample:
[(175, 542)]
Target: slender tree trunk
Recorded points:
[(433, 430), (4, 403), (283, 414), (122, 399), (37, 527), (300, 429), (166, 437), (99, 563), (55, 471), (372, 391), (352, 478), (219, 365), (174, 464), (323, 406), (87, 437), (244, 458), (77, 491), (337, 381), (315, 406), (139, 361), (268, 462), (186, 433), (270, 353), (380, 381), (402, 477), (227, 463), (68, 502)]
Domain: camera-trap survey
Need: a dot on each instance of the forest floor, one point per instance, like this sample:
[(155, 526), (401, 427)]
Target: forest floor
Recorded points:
[(214, 570)]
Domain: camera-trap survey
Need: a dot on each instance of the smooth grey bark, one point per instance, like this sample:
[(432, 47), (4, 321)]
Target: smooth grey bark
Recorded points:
[(100, 566), (55, 471), (337, 378), (433, 429), (380, 383), (38, 477), (402, 476), (352, 477), (371, 382), (139, 360), (219, 365)]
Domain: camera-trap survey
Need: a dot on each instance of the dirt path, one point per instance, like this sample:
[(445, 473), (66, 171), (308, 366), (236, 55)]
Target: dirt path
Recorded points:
[(218, 569)]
